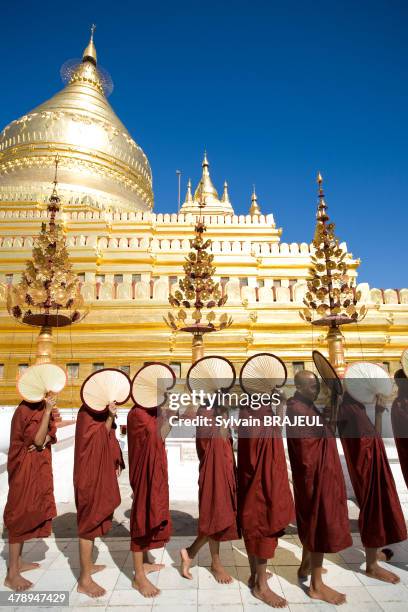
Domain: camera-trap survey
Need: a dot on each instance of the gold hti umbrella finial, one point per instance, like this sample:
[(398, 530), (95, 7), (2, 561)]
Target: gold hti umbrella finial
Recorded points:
[(89, 54)]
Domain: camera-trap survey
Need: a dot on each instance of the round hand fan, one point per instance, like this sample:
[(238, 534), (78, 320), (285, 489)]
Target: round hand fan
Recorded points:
[(404, 362), (104, 387), (37, 380), (262, 373), (328, 373), (366, 382), (151, 383), (211, 374)]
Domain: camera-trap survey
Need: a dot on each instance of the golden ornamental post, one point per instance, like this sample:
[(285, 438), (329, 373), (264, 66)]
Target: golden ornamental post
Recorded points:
[(48, 294), (198, 294), (331, 291)]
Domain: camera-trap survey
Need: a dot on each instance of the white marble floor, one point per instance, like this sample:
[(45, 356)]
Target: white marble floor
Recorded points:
[(60, 562)]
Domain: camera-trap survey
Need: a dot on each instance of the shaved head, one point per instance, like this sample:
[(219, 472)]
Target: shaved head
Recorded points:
[(307, 384)]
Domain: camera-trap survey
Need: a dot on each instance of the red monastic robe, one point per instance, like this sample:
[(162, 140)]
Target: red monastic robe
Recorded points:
[(30, 505), (318, 482), (381, 521), (150, 524), (97, 457), (217, 482), (399, 419), (265, 501)]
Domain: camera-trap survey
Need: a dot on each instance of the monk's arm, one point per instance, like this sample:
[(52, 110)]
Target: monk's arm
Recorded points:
[(40, 436), (111, 416)]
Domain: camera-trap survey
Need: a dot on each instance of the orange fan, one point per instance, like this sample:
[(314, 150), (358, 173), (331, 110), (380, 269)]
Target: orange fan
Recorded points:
[(151, 384), (262, 373), (38, 380), (104, 387), (367, 382), (327, 372), (211, 374)]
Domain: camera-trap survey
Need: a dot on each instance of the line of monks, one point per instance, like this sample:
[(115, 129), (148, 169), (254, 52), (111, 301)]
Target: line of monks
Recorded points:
[(252, 499)]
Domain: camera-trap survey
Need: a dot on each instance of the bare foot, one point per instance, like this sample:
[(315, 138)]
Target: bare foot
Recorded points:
[(378, 572), (90, 588), (26, 566), (252, 579), (186, 562), (220, 574), (304, 572), (269, 597), (152, 567), (144, 586), (17, 582), (97, 568), (325, 593)]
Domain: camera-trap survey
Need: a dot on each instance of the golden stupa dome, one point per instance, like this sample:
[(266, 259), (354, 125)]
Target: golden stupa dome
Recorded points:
[(100, 165)]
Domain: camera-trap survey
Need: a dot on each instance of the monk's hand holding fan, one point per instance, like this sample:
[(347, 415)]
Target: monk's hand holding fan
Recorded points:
[(112, 409), (50, 400)]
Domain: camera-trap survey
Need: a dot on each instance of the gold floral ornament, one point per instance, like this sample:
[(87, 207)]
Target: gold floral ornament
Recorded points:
[(48, 294), (198, 293), (331, 299)]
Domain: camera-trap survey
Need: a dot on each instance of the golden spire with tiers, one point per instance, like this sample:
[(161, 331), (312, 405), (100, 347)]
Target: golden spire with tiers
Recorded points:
[(101, 166), (48, 294), (206, 200), (198, 295), (331, 291), (255, 210)]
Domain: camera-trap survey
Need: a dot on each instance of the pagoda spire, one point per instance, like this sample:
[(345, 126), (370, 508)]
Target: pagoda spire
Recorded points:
[(205, 188), (255, 210), (225, 199), (189, 195), (205, 200), (89, 54)]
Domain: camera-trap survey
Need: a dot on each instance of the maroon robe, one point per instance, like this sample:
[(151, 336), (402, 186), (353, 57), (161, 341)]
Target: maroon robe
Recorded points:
[(217, 482), (381, 521), (150, 524), (265, 501), (318, 482), (399, 419), (30, 505), (97, 457)]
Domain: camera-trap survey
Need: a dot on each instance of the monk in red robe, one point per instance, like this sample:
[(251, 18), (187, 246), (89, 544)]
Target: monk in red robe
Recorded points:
[(399, 419), (381, 521), (217, 486), (318, 486), (30, 505), (98, 462), (150, 524), (265, 503)]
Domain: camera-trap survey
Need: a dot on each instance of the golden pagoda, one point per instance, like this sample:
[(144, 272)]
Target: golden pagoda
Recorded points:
[(128, 258), (101, 166)]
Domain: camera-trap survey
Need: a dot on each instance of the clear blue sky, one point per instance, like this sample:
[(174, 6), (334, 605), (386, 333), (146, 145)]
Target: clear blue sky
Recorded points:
[(273, 90)]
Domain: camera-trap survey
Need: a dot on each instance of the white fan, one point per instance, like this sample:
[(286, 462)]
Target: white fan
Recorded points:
[(37, 380), (262, 373), (104, 387), (151, 383), (404, 362), (366, 382), (211, 374)]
